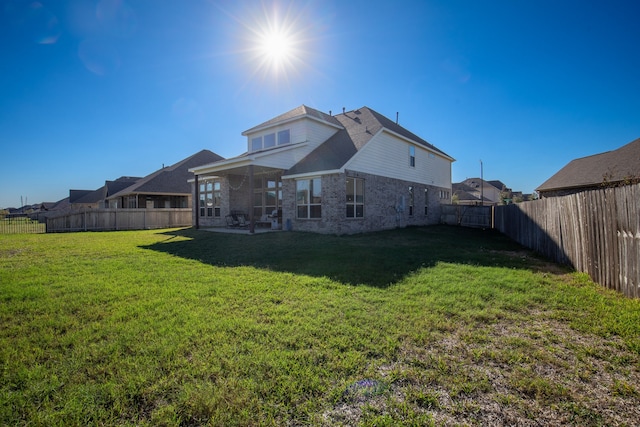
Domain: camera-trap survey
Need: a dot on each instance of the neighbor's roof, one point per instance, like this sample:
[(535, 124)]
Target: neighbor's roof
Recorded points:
[(358, 127), (610, 166), (296, 113), (109, 187), (171, 180)]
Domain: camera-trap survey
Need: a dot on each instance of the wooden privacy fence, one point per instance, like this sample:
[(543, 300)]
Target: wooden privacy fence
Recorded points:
[(596, 232), (119, 219)]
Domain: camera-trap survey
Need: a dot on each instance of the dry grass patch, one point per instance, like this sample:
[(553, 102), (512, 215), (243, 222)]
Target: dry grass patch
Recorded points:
[(531, 372)]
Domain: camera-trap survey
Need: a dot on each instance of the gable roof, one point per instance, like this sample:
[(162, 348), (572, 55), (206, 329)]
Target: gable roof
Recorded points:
[(610, 166), (95, 196), (498, 184), (468, 190), (295, 114), (358, 127), (171, 179)]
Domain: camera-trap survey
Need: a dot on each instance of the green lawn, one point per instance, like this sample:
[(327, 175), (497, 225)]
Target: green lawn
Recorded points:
[(421, 326)]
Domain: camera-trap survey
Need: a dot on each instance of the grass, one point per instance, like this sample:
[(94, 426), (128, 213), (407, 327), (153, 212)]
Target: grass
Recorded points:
[(421, 326)]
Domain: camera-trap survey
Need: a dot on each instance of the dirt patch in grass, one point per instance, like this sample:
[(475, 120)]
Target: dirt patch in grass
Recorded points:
[(527, 373)]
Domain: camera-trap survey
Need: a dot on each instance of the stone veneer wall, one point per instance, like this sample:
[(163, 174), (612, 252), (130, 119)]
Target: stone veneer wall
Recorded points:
[(384, 205)]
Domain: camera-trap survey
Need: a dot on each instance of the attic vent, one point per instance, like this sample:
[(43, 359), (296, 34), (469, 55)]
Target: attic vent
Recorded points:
[(343, 110)]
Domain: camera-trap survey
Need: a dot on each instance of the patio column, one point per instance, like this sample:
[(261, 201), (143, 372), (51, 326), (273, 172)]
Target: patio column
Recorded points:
[(196, 201), (252, 222)]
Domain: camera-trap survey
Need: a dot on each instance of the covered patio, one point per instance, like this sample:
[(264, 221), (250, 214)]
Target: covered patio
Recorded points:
[(239, 196)]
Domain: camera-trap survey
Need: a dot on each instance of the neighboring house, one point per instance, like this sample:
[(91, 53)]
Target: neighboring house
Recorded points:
[(97, 199), (475, 191), (165, 188), (611, 168), (464, 194), (306, 170)]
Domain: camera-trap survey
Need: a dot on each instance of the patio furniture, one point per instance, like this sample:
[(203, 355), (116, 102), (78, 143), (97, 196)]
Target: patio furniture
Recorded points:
[(264, 221), (231, 221), (242, 221)]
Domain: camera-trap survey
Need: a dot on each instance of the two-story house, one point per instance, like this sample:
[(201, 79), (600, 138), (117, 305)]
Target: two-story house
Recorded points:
[(347, 173)]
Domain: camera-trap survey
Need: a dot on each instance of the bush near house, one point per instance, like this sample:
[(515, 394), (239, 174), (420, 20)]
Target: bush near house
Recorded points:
[(419, 326)]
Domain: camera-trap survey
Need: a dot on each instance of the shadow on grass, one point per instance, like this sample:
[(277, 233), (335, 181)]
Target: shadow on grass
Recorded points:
[(375, 259)]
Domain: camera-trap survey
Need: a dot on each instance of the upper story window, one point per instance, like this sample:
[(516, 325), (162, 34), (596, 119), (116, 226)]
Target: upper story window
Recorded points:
[(284, 137), (256, 143), (412, 156), (270, 140)]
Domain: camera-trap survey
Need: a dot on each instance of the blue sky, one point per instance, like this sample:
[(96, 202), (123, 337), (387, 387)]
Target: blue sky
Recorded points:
[(94, 90)]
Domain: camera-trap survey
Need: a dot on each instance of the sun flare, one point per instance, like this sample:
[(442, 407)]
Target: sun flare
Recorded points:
[(278, 44), (276, 48)]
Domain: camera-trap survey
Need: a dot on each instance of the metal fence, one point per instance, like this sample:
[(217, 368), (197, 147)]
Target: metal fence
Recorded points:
[(20, 225), (467, 216)]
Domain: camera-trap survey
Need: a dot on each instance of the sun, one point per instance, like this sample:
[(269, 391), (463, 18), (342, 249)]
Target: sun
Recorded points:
[(276, 42), (276, 48)]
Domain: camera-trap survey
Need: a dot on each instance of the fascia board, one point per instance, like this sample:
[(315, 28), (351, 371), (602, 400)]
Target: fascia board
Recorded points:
[(312, 174), (284, 122), (222, 165)]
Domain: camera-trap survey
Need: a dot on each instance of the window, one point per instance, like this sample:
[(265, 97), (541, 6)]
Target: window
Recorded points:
[(132, 202), (355, 198), (270, 140), (256, 143), (284, 137), (412, 156), (411, 200), (210, 199), (444, 194), (426, 201), (267, 195), (309, 198)]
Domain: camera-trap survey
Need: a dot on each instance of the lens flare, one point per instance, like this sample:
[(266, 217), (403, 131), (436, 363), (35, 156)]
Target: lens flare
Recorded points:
[(276, 48)]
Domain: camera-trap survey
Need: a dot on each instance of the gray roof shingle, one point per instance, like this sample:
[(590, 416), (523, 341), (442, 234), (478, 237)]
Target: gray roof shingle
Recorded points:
[(610, 166), (359, 126), (172, 179), (296, 113)]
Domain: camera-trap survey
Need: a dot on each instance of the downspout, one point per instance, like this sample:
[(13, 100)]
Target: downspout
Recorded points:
[(196, 200)]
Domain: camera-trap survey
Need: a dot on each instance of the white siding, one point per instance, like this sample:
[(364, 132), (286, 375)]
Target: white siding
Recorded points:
[(387, 155), (306, 136)]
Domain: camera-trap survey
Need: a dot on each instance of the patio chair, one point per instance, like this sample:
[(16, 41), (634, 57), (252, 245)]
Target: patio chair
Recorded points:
[(242, 221), (231, 222)]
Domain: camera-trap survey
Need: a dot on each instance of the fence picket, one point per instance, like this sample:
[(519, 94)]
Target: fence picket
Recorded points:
[(596, 232), (119, 219)]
